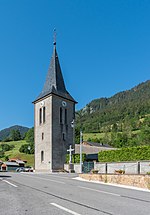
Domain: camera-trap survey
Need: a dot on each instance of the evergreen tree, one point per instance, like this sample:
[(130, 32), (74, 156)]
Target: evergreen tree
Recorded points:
[(29, 137), (15, 135)]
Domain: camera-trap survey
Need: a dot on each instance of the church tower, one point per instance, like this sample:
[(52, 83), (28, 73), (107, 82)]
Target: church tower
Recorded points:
[(54, 112)]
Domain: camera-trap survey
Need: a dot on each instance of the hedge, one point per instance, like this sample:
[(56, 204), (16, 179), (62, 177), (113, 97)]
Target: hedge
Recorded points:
[(76, 158), (125, 154)]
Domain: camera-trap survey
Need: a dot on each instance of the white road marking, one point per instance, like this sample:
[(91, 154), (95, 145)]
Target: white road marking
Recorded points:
[(59, 176), (112, 185), (100, 191), (10, 183), (60, 182), (65, 209)]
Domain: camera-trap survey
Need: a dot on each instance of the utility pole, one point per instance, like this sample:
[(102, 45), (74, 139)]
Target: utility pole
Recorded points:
[(81, 151)]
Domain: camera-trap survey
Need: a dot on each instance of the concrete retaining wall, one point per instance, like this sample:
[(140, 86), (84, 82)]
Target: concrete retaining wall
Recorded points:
[(76, 167)]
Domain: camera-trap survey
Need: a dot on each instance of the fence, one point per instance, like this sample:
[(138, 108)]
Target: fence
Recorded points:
[(139, 167)]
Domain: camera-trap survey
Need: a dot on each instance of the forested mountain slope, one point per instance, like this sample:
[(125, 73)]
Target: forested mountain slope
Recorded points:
[(129, 105), (5, 133)]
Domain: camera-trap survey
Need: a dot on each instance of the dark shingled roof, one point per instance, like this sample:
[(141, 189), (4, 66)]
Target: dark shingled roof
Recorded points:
[(54, 83)]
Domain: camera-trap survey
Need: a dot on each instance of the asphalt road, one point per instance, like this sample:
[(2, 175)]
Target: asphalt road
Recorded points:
[(60, 194)]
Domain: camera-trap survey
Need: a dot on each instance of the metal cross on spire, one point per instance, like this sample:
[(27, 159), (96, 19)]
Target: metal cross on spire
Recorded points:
[(54, 36)]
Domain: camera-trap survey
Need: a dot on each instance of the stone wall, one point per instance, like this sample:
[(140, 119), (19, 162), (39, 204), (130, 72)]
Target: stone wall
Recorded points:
[(141, 181), (45, 143)]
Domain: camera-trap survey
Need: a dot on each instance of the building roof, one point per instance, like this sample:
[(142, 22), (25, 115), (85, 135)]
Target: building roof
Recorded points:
[(20, 162), (13, 159), (11, 163), (89, 149), (54, 83)]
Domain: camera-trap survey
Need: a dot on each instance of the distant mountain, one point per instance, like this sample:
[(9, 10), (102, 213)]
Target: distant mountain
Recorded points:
[(5, 133), (133, 103)]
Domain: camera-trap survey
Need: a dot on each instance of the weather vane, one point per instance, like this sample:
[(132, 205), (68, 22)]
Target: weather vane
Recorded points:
[(54, 36)]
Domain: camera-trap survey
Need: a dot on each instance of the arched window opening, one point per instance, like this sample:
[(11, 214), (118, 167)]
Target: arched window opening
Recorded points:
[(40, 116), (63, 136), (42, 136), (42, 156), (65, 116), (60, 117), (44, 109)]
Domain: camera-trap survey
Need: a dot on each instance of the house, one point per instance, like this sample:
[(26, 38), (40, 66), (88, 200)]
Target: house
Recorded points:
[(92, 149), (9, 166), (12, 165), (16, 160)]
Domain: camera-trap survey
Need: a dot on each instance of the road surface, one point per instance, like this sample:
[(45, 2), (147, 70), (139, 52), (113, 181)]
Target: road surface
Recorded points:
[(61, 194)]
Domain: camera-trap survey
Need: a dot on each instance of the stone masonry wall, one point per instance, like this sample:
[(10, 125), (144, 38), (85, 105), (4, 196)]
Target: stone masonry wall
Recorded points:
[(141, 181), (45, 144)]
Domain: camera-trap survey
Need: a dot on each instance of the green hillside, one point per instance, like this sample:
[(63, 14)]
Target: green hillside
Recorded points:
[(5, 133), (14, 153), (121, 120)]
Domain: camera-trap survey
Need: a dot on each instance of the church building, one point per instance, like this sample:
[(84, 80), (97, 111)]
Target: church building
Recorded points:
[(54, 113)]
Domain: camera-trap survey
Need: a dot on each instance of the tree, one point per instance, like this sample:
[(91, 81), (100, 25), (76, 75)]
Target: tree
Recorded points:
[(15, 135), (77, 135), (29, 137), (5, 147), (114, 127), (6, 157), (145, 136), (2, 154)]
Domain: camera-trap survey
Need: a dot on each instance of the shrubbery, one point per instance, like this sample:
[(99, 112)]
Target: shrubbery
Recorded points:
[(76, 158), (1, 154), (125, 154), (28, 148), (5, 147)]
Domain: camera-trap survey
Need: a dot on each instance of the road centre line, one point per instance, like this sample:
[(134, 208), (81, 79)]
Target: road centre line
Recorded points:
[(100, 191), (10, 183), (60, 182), (65, 209)]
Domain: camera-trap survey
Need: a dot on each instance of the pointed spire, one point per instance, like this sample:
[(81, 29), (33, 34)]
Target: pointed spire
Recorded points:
[(54, 81), (54, 36)]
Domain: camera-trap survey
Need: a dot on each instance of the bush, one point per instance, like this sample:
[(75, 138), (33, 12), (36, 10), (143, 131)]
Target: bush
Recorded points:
[(125, 154), (6, 158), (93, 171), (2, 154), (6, 147), (120, 171), (7, 139), (76, 158), (25, 149)]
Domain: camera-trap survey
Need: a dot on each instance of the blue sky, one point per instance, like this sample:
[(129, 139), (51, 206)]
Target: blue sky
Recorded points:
[(103, 47)]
